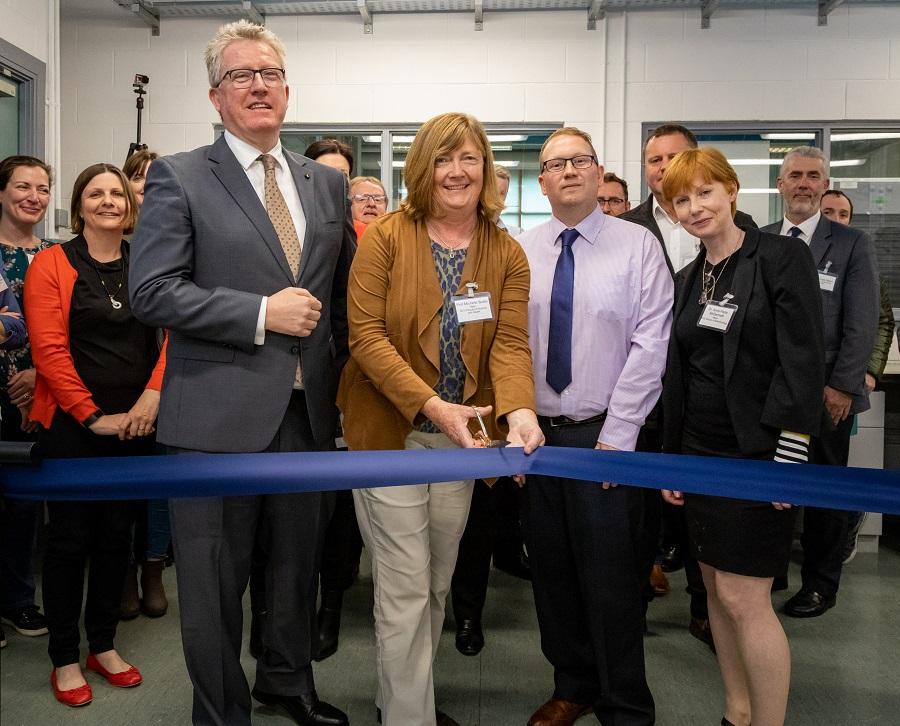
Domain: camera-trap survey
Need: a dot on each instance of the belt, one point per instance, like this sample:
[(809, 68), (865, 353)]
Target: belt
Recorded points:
[(555, 421)]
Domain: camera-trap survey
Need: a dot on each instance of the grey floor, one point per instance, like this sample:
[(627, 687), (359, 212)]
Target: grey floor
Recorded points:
[(846, 665)]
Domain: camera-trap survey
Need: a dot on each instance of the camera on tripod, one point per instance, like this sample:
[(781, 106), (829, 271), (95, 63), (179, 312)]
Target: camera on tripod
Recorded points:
[(138, 86)]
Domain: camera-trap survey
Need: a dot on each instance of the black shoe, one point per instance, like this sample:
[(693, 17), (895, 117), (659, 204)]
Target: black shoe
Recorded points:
[(27, 621), (671, 559), (305, 709), (701, 630), (329, 619), (808, 604), (257, 625), (516, 566), (469, 637)]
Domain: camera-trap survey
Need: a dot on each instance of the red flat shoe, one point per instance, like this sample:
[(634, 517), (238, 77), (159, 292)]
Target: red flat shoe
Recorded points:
[(125, 679), (74, 697)]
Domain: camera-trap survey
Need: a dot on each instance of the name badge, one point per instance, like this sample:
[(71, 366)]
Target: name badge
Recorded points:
[(473, 307), (827, 279), (718, 314)]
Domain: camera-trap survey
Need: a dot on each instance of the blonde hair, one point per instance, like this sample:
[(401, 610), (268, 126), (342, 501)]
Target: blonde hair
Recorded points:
[(441, 135), (707, 163), (76, 223), (371, 179), (569, 131), (228, 34), (501, 171)]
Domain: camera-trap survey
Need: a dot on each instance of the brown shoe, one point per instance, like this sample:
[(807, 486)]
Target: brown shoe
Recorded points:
[(701, 630), (130, 606), (658, 580), (154, 603), (557, 712)]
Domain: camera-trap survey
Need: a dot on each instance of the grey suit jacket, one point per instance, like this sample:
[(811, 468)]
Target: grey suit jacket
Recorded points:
[(203, 256), (851, 309)]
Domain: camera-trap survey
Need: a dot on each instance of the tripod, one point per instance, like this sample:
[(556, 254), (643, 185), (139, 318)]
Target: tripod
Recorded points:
[(139, 83)]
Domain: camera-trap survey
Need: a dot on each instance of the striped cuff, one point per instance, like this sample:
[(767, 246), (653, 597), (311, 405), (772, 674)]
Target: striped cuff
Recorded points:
[(793, 448)]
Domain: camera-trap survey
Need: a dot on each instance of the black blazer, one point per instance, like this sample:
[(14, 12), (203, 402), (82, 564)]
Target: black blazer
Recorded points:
[(643, 215), (851, 309), (773, 351)]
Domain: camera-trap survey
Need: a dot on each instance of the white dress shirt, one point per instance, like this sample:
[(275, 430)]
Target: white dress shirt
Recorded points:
[(681, 246), (248, 157), (807, 227)]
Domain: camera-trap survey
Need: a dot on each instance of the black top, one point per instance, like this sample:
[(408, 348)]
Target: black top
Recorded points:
[(707, 423), (113, 353)]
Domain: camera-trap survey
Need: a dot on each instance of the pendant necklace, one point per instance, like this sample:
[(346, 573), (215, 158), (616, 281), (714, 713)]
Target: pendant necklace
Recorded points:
[(116, 305), (709, 279), (446, 245)]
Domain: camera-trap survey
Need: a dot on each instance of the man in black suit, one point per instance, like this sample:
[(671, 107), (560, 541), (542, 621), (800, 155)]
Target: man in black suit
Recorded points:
[(849, 286), (243, 254)]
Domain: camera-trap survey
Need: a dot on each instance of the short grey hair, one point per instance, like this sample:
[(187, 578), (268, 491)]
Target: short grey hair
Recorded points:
[(807, 152), (228, 34)]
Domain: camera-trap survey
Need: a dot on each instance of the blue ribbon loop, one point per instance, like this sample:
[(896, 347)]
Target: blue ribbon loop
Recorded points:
[(202, 475)]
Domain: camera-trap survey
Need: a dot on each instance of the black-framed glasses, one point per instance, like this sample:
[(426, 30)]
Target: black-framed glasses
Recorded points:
[(377, 198), (612, 201), (555, 166), (243, 77)]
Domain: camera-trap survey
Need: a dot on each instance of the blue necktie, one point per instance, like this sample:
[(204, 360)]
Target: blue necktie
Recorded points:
[(559, 342), (795, 231)]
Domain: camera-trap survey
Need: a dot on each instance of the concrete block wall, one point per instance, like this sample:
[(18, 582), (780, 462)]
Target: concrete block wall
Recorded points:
[(752, 64)]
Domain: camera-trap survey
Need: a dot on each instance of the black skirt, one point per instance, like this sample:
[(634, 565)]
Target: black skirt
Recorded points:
[(739, 535)]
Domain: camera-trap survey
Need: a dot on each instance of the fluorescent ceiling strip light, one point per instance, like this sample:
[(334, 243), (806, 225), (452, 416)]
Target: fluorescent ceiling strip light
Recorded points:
[(792, 136), (866, 136)]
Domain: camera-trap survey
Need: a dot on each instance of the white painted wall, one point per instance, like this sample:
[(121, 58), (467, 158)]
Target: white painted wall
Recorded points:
[(536, 67), (25, 24)]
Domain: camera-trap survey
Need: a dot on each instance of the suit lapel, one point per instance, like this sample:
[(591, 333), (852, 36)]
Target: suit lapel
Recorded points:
[(741, 288), (306, 181), (821, 240), (228, 171)]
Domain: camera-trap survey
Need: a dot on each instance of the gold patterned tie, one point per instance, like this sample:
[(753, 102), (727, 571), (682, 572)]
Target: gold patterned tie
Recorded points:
[(284, 228), (281, 216)]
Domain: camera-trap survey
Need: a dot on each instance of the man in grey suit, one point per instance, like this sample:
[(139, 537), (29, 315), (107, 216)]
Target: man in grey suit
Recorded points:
[(849, 288), (242, 254)]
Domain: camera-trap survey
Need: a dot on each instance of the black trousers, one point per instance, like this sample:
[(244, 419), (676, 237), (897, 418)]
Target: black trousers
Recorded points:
[(82, 532), (343, 545), (214, 540), (583, 545), (825, 530), (493, 530)]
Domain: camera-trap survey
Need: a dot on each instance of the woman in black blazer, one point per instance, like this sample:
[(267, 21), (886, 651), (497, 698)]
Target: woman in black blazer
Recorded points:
[(744, 380)]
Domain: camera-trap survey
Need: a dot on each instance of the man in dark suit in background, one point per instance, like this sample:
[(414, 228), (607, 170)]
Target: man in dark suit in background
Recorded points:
[(656, 213), (243, 253), (849, 286)]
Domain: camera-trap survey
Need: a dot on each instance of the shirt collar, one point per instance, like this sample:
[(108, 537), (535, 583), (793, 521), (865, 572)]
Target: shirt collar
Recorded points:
[(807, 226), (659, 213), (247, 154), (589, 227)]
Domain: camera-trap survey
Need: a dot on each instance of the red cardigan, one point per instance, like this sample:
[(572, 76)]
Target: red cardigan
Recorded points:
[(49, 284)]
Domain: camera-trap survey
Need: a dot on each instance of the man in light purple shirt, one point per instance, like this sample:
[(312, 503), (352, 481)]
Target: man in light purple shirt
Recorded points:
[(599, 317)]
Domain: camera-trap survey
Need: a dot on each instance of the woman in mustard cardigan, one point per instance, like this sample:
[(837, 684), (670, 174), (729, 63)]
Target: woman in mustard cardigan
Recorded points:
[(99, 372), (422, 362)]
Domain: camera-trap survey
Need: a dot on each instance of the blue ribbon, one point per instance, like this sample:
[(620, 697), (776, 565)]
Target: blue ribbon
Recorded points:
[(202, 475)]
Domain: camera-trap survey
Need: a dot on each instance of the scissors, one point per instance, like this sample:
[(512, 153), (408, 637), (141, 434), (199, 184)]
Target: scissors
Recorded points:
[(483, 437)]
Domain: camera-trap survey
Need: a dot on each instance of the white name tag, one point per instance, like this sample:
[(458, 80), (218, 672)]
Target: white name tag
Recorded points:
[(718, 314), (474, 308), (827, 281)]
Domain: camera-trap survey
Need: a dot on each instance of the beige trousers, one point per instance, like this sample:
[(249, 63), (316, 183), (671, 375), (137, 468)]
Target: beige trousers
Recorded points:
[(412, 534)]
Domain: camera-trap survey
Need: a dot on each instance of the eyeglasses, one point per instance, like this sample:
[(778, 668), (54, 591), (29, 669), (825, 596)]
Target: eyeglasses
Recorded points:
[(243, 77), (611, 201), (377, 198), (555, 166)]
